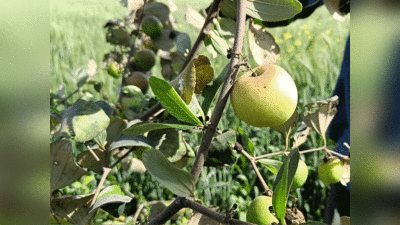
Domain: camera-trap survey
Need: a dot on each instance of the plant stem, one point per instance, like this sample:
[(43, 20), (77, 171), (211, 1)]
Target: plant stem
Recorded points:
[(224, 95), (252, 161), (103, 179)]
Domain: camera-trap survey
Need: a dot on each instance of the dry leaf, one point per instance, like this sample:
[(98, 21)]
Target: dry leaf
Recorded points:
[(320, 114), (204, 73), (74, 209), (185, 83), (286, 128), (195, 18), (301, 134), (262, 45)]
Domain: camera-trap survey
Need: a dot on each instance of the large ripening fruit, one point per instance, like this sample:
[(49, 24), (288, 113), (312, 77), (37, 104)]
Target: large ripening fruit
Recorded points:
[(267, 98), (152, 26), (331, 170), (139, 80), (301, 175), (259, 211), (145, 59)]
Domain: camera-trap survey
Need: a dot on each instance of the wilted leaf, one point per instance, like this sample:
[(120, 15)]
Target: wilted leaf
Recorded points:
[(84, 119), (320, 114), (271, 164), (195, 18), (87, 160), (176, 180), (141, 128), (74, 209), (282, 184), (64, 170), (295, 216), (204, 73), (114, 129), (286, 128), (262, 45), (301, 134), (171, 101), (209, 92)]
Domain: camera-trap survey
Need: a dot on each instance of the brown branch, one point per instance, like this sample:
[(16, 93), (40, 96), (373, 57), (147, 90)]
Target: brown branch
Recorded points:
[(224, 95), (106, 171), (168, 212), (252, 161)]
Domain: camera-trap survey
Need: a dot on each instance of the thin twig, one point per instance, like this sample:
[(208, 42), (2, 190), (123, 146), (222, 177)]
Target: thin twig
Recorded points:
[(252, 161), (106, 171), (121, 158), (93, 153)]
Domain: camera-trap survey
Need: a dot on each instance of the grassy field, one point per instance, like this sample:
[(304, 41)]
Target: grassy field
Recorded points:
[(311, 51)]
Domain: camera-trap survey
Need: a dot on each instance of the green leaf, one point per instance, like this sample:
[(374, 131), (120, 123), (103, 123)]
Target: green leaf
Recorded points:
[(84, 119), (219, 43), (176, 180), (141, 127), (110, 190), (209, 92), (127, 141), (169, 142), (64, 170), (172, 102), (117, 201), (271, 164), (74, 209), (262, 45), (283, 182), (273, 10)]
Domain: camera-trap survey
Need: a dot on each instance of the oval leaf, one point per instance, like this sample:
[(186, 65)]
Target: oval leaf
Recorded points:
[(204, 73), (271, 164), (141, 128), (273, 10), (176, 180), (74, 208), (283, 183), (127, 141), (110, 190), (171, 101), (262, 45), (64, 170)]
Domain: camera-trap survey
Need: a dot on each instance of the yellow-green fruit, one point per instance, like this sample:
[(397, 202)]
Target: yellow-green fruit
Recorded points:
[(331, 170), (266, 99), (139, 80), (152, 26), (259, 211), (113, 71), (145, 59), (301, 175)]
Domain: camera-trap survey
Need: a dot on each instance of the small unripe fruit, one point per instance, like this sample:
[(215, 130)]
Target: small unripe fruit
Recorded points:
[(259, 211), (145, 59), (267, 98), (331, 170), (152, 26), (113, 71), (139, 80), (301, 175)]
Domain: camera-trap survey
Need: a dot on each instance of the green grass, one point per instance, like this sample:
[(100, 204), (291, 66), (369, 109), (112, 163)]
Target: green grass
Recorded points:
[(311, 51)]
